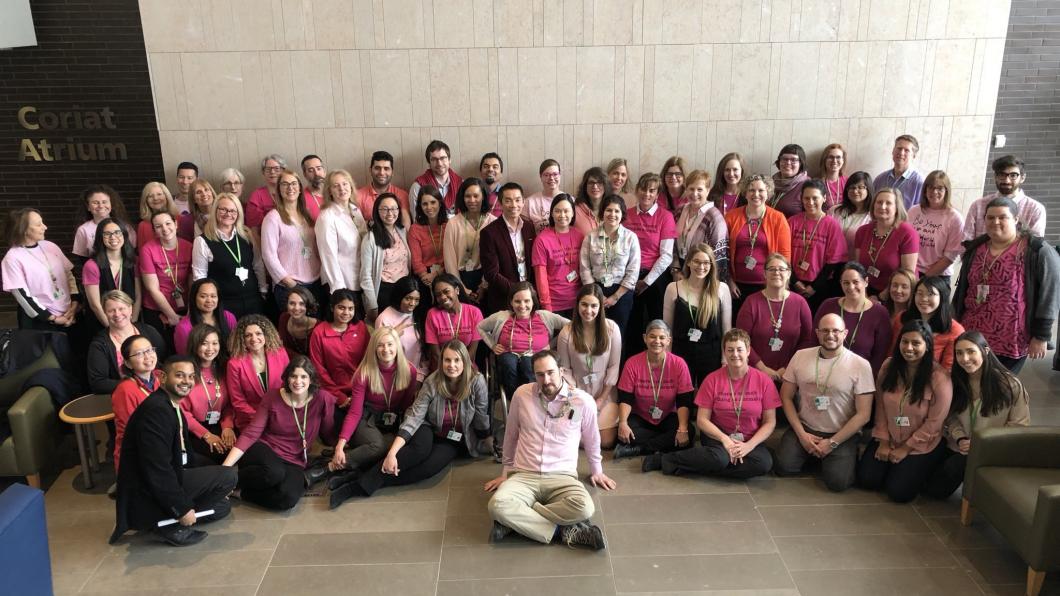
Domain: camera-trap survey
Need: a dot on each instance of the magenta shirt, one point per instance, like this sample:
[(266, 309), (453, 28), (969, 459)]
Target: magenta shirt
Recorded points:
[(443, 326), (197, 403), (515, 334), (274, 425), (728, 202), (835, 192), (1002, 318), (902, 240), (651, 230), (815, 244), (868, 333), (672, 379), (558, 254), (183, 330), (796, 328), (757, 391), (258, 206), (741, 248), (154, 259)]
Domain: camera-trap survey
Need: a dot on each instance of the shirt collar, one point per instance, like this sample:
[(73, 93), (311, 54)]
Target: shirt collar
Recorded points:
[(518, 225), (654, 208)]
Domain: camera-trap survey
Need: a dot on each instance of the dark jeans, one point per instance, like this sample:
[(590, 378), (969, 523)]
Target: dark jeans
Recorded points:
[(710, 457), (280, 291), (901, 481), (619, 313), (513, 370), (1014, 365), (948, 476), (269, 481), (837, 468), (208, 487), (651, 438), (647, 306), (422, 457)]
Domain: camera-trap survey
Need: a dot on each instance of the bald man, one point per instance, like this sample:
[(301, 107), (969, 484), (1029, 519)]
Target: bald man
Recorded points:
[(834, 389)]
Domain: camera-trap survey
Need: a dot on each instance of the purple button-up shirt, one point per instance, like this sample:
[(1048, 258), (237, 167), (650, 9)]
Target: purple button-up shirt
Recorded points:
[(535, 441), (911, 183)]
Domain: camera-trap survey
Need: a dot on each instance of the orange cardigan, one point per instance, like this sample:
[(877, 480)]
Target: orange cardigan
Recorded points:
[(774, 226)]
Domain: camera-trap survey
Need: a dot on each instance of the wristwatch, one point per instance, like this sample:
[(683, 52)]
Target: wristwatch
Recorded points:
[(833, 445)]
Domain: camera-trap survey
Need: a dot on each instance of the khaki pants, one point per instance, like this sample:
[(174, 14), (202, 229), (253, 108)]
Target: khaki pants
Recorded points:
[(533, 504)]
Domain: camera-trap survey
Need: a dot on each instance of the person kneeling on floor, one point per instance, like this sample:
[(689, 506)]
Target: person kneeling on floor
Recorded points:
[(538, 493), (154, 482)]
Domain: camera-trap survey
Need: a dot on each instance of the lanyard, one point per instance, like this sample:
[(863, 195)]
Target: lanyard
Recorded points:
[(147, 389), (655, 390), (808, 244), (990, 266), (47, 262), (238, 254), (817, 371), (529, 335), (738, 408), (211, 403), (302, 427), (180, 430), (389, 392), (854, 334), (609, 249), (455, 327), (449, 411), (874, 253), (565, 411), (170, 270), (780, 316), (436, 246), (756, 225), (691, 313)]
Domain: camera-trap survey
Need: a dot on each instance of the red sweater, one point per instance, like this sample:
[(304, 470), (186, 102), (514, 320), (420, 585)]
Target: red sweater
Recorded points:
[(129, 394), (425, 244), (336, 356)]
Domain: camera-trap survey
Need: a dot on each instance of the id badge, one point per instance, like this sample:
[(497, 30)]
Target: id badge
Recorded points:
[(982, 292), (775, 344), (750, 262), (873, 272), (575, 416), (821, 402), (608, 281), (178, 299), (242, 273), (804, 265), (183, 458), (522, 271), (452, 435), (589, 379), (737, 436), (305, 253), (571, 277), (656, 413), (901, 420), (389, 418), (213, 417), (694, 334)]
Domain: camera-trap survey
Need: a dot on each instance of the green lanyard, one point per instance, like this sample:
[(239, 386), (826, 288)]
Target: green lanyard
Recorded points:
[(302, 427), (817, 371), (651, 379)]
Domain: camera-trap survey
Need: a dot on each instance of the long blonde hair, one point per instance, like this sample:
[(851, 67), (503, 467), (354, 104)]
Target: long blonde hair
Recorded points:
[(709, 303), (210, 228), (463, 383), (369, 368)]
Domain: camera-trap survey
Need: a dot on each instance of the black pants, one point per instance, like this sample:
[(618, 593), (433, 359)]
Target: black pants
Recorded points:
[(651, 438), (710, 457), (367, 444), (248, 303), (619, 313), (1014, 365), (472, 279), (901, 481), (267, 480), (202, 449), (948, 476), (647, 306), (208, 487), (422, 457), (155, 319)]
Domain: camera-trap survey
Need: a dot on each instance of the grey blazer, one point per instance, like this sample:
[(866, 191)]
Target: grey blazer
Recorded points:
[(429, 408)]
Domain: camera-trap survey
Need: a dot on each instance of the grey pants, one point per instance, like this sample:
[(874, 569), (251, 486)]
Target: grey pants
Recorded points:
[(368, 444), (837, 469)]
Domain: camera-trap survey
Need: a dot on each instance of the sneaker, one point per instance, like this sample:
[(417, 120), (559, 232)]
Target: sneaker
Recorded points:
[(180, 535), (622, 450), (583, 534), (499, 531), (498, 452), (651, 463)]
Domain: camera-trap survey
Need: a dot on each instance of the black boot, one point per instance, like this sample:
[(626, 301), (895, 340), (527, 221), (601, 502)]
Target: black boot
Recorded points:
[(339, 478), (340, 494), (314, 474)]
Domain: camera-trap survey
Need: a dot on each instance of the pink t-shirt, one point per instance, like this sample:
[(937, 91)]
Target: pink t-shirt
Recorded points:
[(651, 229), (815, 244), (258, 206), (671, 380), (902, 240), (90, 275), (167, 265), (41, 272), (443, 326), (558, 254), (756, 391), (941, 232), (312, 204), (728, 202), (742, 247), (84, 238), (524, 335)]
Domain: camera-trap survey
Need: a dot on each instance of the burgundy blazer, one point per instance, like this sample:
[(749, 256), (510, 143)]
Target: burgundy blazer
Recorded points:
[(500, 267)]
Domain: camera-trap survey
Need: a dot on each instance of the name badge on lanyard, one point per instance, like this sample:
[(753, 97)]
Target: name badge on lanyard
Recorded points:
[(213, 417), (452, 435)]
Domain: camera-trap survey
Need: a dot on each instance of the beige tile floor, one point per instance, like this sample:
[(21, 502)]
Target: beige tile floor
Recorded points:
[(769, 536)]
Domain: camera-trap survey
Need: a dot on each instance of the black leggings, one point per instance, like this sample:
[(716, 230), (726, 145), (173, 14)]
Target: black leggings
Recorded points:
[(267, 480), (710, 457), (653, 438), (948, 475), (901, 481), (422, 457)]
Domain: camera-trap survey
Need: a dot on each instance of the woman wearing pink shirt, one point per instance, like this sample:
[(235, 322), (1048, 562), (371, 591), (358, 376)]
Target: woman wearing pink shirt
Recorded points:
[(939, 226), (165, 270), (725, 194), (913, 394), (426, 237), (255, 365), (818, 248), (211, 422), (337, 347), (671, 194), (591, 193), (777, 320), (100, 202), (888, 243), (853, 211), (112, 267), (452, 317), (401, 315), (264, 198), (460, 251), (206, 307), (654, 398), (385, 255), (618, 180), (555, 258), (737, 413), (699, 221), (39, 276), (833, 160), (289, 243), (155, 197), (537, 204)]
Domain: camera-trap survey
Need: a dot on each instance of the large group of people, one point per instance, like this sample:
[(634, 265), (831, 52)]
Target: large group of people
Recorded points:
[(666, 318)]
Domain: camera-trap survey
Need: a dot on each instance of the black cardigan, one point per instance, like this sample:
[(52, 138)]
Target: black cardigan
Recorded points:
[(102, 359)]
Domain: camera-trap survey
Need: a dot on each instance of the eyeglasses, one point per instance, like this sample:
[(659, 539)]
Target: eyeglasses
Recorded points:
[(112, 234), (271, 169), (698, 263), (231, 183), (389, 209), (594, 183), (777, 269), (227, 211), (788, 160), (289, 184), (675, 175), (143, 352), (860, 187), (832, 158), (1008, 175), (831, 331), (550, 175)]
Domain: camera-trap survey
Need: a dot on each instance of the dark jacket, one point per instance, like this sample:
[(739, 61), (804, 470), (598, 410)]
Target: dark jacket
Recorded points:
[(500, 267), (102, 359), (1041, 284), (151, 477)]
